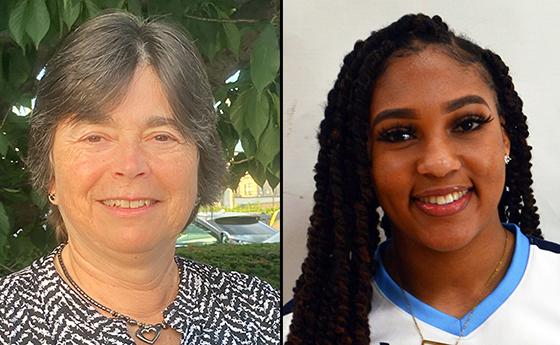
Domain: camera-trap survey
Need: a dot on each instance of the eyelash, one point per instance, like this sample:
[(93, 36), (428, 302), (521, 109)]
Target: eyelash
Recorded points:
[(166, 136), (390, 134), (90, 138)]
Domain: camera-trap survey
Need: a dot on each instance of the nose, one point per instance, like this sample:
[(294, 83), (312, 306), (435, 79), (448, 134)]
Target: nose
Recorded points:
[(438, 159), (130, 161)]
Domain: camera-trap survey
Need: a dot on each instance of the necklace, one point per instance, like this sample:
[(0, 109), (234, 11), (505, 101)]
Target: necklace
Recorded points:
[(425, 341), (148, 333)]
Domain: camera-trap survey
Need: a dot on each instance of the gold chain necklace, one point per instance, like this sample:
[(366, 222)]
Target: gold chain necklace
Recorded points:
[(471, 310)]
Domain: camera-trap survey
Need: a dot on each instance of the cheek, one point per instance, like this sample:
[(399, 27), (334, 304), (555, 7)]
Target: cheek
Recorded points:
[(390, 172), (76, 173)]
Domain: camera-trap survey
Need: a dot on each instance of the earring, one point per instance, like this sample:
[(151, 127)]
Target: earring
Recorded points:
[(52, 197), (197, 201), (507, 159)]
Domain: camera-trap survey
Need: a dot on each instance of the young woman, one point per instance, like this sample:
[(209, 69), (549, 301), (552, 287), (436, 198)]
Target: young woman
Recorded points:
[(424, 138)]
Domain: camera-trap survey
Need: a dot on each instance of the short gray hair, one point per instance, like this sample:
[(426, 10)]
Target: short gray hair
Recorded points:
[(89, 73)]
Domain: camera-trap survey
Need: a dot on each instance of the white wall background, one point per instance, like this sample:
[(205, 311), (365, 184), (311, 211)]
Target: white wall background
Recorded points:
[(317, 34)]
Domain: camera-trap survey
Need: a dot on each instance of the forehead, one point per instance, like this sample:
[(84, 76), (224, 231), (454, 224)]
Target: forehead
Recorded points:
[(428, 78), (142, 100)]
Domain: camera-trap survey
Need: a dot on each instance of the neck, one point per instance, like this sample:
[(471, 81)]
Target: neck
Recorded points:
[(453, 282), (118, 281)]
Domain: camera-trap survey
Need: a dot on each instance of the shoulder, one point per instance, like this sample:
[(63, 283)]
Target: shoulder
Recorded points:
[(239, 287), (22, 299), (25, 285), (544, 245), (234, 297)]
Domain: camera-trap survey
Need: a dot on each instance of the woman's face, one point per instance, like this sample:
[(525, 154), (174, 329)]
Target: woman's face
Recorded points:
[(437, 150), (127, 182)]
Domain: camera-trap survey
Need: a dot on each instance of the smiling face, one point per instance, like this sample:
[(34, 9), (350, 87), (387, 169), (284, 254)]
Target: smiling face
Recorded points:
[(437, 149), (127, 182)]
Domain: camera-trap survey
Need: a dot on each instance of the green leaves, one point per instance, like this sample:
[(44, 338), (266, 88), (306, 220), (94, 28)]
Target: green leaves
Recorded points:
[(70, 11), (29, 17), (265, 59), (4, 227), (231, 35), (4, 143)]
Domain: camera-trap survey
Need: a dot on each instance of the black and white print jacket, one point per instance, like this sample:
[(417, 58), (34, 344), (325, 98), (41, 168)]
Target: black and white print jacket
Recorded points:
[(212, 307)]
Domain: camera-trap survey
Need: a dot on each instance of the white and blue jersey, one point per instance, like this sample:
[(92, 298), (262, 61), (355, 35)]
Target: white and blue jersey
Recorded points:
[(524, 309)]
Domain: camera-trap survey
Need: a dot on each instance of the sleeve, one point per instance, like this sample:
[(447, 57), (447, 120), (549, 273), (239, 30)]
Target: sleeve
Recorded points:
[(5, 327), (264, 311)]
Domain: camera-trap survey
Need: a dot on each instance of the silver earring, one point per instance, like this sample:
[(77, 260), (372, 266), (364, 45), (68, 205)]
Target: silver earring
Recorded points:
[(507, 159), (197, 201), (52, 197)]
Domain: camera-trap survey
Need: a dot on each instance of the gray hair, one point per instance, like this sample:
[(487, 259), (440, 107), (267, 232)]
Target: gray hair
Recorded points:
[(89, 74)]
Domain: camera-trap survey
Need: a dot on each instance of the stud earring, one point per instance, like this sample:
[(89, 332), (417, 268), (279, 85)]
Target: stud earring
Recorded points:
[(507, 159), (52, 197)]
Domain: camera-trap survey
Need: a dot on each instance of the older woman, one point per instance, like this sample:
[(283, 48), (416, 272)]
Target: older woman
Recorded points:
[(424, 137), (124, 142)]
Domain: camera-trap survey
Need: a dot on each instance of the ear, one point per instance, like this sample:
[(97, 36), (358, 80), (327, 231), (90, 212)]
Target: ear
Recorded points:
[(52, 191)]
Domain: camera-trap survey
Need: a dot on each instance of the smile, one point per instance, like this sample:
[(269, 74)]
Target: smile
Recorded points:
[(443, 199), (128, 203), (444, 204)]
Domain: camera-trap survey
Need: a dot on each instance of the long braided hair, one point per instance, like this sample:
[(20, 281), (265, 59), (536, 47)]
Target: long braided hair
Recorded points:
[(333, 294)]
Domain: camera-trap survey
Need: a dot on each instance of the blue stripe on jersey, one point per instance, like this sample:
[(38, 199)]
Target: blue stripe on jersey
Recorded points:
[(481, 313)]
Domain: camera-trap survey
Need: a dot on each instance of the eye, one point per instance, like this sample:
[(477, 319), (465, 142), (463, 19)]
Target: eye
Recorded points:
[(471, 123), (163, 138), (397, 134), (94, 138)]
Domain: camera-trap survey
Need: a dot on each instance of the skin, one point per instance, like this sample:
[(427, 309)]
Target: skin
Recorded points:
[(136, 153), (428, 149)]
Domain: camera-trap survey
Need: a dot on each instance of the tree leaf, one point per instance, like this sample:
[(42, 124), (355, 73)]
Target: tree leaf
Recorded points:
[(265, 58), (233, 38), (269, 145), (17, 23), (272, 179), (275, 107), (38, 21), (92, 8), (71, 11), (229, 138), (4, 143), (238, 110), (256, 119), (258, 172), (275, 165), (4, 225), (18, 68), (134, 7), (248, 143)]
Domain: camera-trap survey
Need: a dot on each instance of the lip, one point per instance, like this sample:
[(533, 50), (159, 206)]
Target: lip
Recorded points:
[(440, 191), (129, 212), (443, 210)]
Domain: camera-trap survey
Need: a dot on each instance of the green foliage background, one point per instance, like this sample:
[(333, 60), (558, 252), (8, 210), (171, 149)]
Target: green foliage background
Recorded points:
[(232, 35), (260, 259)]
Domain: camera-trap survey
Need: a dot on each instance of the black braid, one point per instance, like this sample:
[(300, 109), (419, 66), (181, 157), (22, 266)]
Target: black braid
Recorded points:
[(333, 294)]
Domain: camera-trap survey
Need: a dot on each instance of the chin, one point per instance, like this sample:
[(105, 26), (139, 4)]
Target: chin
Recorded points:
[(132, 241), (446, 240)]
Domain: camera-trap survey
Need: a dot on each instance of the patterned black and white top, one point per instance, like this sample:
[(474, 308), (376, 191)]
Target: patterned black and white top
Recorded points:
[(212, 307)]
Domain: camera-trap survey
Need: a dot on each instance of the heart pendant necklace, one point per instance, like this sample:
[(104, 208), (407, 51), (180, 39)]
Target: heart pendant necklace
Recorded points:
[(146, 333)]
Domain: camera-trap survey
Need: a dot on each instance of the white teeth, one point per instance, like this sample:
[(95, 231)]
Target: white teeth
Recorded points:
[(443, 199), (127, 203)]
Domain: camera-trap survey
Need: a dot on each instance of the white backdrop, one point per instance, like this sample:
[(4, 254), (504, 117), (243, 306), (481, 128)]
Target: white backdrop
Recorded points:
[(317, 34)]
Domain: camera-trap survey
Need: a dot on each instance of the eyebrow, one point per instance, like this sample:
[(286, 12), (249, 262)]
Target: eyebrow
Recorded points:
[(409, 113), (463, 101), (158, 121), (153, 121)]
